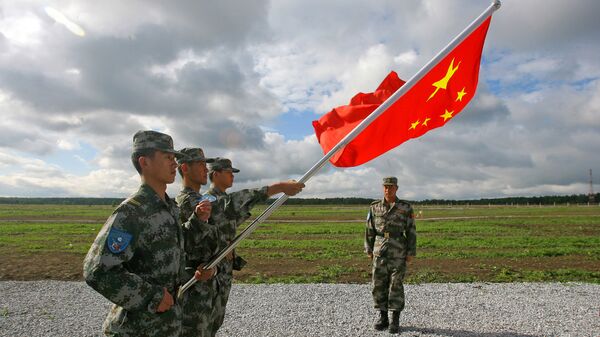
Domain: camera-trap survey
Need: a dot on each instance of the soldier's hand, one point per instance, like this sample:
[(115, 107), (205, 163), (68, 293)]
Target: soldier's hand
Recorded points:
[(204, 274), (292, 187), (409, 259), (166, 303), (203, 210), (370, 255)]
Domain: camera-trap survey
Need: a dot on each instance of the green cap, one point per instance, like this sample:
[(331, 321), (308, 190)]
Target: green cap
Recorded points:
[(390, 181), (192, 154), (153, 140), (220, 164)]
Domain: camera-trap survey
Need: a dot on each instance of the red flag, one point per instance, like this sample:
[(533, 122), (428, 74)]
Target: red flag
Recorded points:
[(438, 97)]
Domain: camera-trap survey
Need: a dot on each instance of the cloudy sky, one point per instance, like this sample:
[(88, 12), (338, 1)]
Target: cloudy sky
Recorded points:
[(244, 80)]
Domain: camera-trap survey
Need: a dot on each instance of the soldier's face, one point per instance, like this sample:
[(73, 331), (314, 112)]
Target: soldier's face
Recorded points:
[(161, 167), (389, 192), (223, 179), (197, 172)]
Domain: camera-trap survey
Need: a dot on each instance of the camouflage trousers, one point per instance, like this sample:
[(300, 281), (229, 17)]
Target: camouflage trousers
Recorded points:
[(388, 290), (222, 296), (198, 306)]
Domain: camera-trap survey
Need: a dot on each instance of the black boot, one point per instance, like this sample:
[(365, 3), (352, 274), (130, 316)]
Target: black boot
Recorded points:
[(395, 326), (383, 321)]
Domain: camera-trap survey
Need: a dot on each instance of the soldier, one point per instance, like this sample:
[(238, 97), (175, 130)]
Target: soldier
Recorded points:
[(201, 242), (228, 212), (137, 259), (390, 242)]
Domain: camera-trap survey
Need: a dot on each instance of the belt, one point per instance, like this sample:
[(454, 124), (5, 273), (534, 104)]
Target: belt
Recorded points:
[(388, 235), (192, 264)]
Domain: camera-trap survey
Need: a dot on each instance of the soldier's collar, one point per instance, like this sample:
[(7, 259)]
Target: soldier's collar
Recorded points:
[(188, 189), (150, 195), (216, 191)]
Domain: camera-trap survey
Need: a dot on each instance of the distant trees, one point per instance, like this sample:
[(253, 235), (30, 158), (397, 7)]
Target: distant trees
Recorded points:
[(543, 200), (61, 201)]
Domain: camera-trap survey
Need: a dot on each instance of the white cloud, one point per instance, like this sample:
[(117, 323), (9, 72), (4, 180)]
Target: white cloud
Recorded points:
[(213, 77)]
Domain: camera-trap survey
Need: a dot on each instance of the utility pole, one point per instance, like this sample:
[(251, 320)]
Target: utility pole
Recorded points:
[(591, 194)]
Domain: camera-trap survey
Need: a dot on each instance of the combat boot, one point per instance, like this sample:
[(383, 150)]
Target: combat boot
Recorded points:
[(383, 321), (395, 326)]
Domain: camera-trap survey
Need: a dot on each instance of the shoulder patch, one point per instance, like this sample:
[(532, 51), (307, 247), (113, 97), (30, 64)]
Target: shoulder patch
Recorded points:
[(133, 202), (118, 240)]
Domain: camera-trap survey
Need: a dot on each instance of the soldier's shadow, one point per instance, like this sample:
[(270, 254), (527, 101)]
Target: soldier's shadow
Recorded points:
[(462, 333)]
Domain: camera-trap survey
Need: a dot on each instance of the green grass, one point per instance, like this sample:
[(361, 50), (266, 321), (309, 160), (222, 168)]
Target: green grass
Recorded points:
[(500, 248)]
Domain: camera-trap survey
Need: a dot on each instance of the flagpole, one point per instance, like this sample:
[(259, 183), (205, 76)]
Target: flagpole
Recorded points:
[(495, 5)]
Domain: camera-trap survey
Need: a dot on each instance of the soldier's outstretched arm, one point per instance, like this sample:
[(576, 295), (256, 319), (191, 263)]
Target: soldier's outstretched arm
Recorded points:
[(290, 187), (103, 267)]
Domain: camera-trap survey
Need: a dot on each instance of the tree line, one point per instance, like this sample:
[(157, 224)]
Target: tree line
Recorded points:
[(537, 200)]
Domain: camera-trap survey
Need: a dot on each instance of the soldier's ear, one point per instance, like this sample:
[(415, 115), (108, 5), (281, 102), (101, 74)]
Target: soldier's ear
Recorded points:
[(143, 161)]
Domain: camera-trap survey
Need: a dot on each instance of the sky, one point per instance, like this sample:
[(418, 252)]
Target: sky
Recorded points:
[(245, 79)]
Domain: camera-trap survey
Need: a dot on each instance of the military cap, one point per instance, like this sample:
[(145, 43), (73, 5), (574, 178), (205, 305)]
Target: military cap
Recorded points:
[(390, 181), (221, 164), (192, 154), (153, 140)]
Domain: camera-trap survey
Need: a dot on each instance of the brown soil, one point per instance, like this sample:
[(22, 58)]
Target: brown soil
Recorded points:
[(67, 266), (55, 266)]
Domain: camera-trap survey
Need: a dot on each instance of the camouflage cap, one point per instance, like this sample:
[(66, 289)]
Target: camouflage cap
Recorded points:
[(390, 181), (221, 164), (192, 154), (154, 140)]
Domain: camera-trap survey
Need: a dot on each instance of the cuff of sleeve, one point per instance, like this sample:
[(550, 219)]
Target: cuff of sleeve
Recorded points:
[(155, 299), (264, 192)]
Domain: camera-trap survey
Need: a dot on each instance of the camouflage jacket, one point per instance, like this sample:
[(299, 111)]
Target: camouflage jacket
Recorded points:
[(391, 229), (138, 251), (200, 237), (228, 212)]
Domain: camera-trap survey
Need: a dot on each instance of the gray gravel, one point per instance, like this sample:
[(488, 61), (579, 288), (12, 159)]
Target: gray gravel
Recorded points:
[(53, 308)]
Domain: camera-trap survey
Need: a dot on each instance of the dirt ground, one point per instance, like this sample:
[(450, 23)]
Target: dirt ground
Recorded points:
[(68, 266)]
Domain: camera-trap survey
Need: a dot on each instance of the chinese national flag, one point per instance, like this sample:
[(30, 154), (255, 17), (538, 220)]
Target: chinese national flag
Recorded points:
[(437, 98)]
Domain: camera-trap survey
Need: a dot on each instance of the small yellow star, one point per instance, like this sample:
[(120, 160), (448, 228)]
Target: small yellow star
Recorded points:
[(460, 94), (413, 126), (447, 115), (425, 121)]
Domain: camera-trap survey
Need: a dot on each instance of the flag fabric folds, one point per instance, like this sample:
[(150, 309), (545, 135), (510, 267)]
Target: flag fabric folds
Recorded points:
[(438, 97)]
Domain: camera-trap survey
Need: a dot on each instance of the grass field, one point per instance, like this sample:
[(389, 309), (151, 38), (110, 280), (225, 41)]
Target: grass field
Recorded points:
[(325, 243)]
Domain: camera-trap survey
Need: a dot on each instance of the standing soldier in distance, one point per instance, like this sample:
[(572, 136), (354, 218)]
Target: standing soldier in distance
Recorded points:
[(201, 242), (228, 212), (137, 259), (390, 241)]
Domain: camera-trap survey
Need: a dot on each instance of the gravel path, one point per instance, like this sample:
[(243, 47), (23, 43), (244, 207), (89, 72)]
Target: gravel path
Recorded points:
[(53, 308)]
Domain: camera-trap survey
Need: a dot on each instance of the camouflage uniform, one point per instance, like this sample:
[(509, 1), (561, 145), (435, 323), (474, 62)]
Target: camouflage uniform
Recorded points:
[(201, 243), (390, 236), (138, 251), (228, 212)]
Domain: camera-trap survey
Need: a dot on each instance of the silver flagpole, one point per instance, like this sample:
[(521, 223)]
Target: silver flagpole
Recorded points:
[(350, 136)]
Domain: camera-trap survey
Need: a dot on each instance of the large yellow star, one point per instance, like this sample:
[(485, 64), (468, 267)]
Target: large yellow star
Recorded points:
[(443, 83), (460, 94), (425, 121), (447, 115), (413, 126)]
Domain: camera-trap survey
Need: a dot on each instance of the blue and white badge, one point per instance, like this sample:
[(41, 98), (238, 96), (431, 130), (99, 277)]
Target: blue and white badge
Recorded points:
[(118, 240), (209, 197)]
